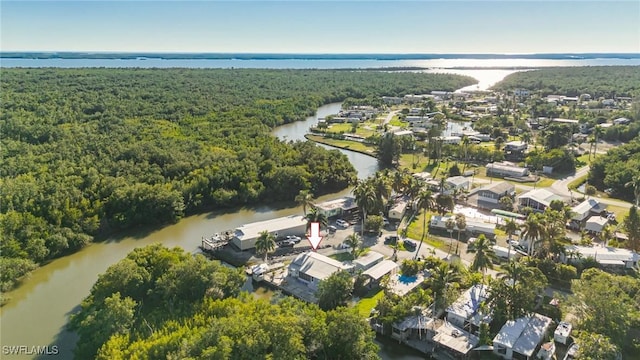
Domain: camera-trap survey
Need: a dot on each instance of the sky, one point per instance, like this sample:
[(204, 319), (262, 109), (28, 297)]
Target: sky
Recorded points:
[(303, 26)]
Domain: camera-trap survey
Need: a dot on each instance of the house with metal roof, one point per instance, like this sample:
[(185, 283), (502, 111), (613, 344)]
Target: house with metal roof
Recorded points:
[(506, 169), (245, 236), (337, 207), (537, 199), (465, 311), (587, 208), (608, 256), (368, 260), (311, 268), (520, 338)]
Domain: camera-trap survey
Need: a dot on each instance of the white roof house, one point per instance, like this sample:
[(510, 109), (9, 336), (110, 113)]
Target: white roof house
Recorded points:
[(604, 255), (337, 207), (398, 209), (464, 312), (521, 336), (493, 192), (586, 208), (596, 224), (311, 268), (381, 269), (506, 169), (246, 235), (537, 199), (456, 339), (475, 227), (368, 261), (457, 182)]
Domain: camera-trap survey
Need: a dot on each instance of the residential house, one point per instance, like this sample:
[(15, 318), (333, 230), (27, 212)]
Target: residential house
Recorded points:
[(494, 192), (473, 227), (379, 270), (338, 207), (416, 325), (506, 169), (607, 256), (455, 341), (515, 150), (392, 100), (311, 268), (398, 209), (466, 313), (520, 338), (368, 260), (585, 209), (454, 183), (595, 224), (537, 199)]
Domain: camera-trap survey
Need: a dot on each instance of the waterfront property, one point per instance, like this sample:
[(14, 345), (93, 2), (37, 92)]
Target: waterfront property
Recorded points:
[(537, 199), (244, 237), (519, 339), (311, 268), (465, 311), (338, 207)]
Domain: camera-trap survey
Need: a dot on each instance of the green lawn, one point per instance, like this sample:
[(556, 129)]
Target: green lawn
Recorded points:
[(368, 302), (577, 182), (345, 144), (345, 256), (414, 231)]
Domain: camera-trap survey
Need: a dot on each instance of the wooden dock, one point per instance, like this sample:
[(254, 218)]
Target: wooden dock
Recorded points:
[(216, 241)]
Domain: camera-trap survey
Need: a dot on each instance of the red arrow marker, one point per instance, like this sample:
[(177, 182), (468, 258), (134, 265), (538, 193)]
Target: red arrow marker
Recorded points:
[(315, 238)]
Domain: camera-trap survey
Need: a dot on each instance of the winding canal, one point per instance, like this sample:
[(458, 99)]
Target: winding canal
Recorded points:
[(38, 310)]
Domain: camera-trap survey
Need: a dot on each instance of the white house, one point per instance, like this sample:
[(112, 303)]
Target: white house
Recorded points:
[(609, 256), (473, 227), (245, 236), (397, 211), (376, 272), (368, 261), (456, 183), (519, 339), (311, 268), (506, 169), (337, 207), (465, 311), (586, 208), (595, 224), (537, 199)]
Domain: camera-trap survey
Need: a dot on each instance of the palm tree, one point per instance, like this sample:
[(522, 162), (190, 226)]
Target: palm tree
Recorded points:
[(450, 224), (484, 254), (441, 277), (425, 202), (510, 227), (533, 230), (606, 234), (465, 149), (597, 133), (635, 185), (514, 271), (265, 244), (304, 199), (354, 242), (314, 215), (366, 198), (461, 224)]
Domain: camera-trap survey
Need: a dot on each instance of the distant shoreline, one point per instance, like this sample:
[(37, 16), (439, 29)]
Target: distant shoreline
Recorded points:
[(275, 56)]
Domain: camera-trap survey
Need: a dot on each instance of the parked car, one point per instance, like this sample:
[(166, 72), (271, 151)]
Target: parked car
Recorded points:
[(295, 239), (409, 243), (342, 223), (287, 243), (332, 229), (391, 240), (344, 246)]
